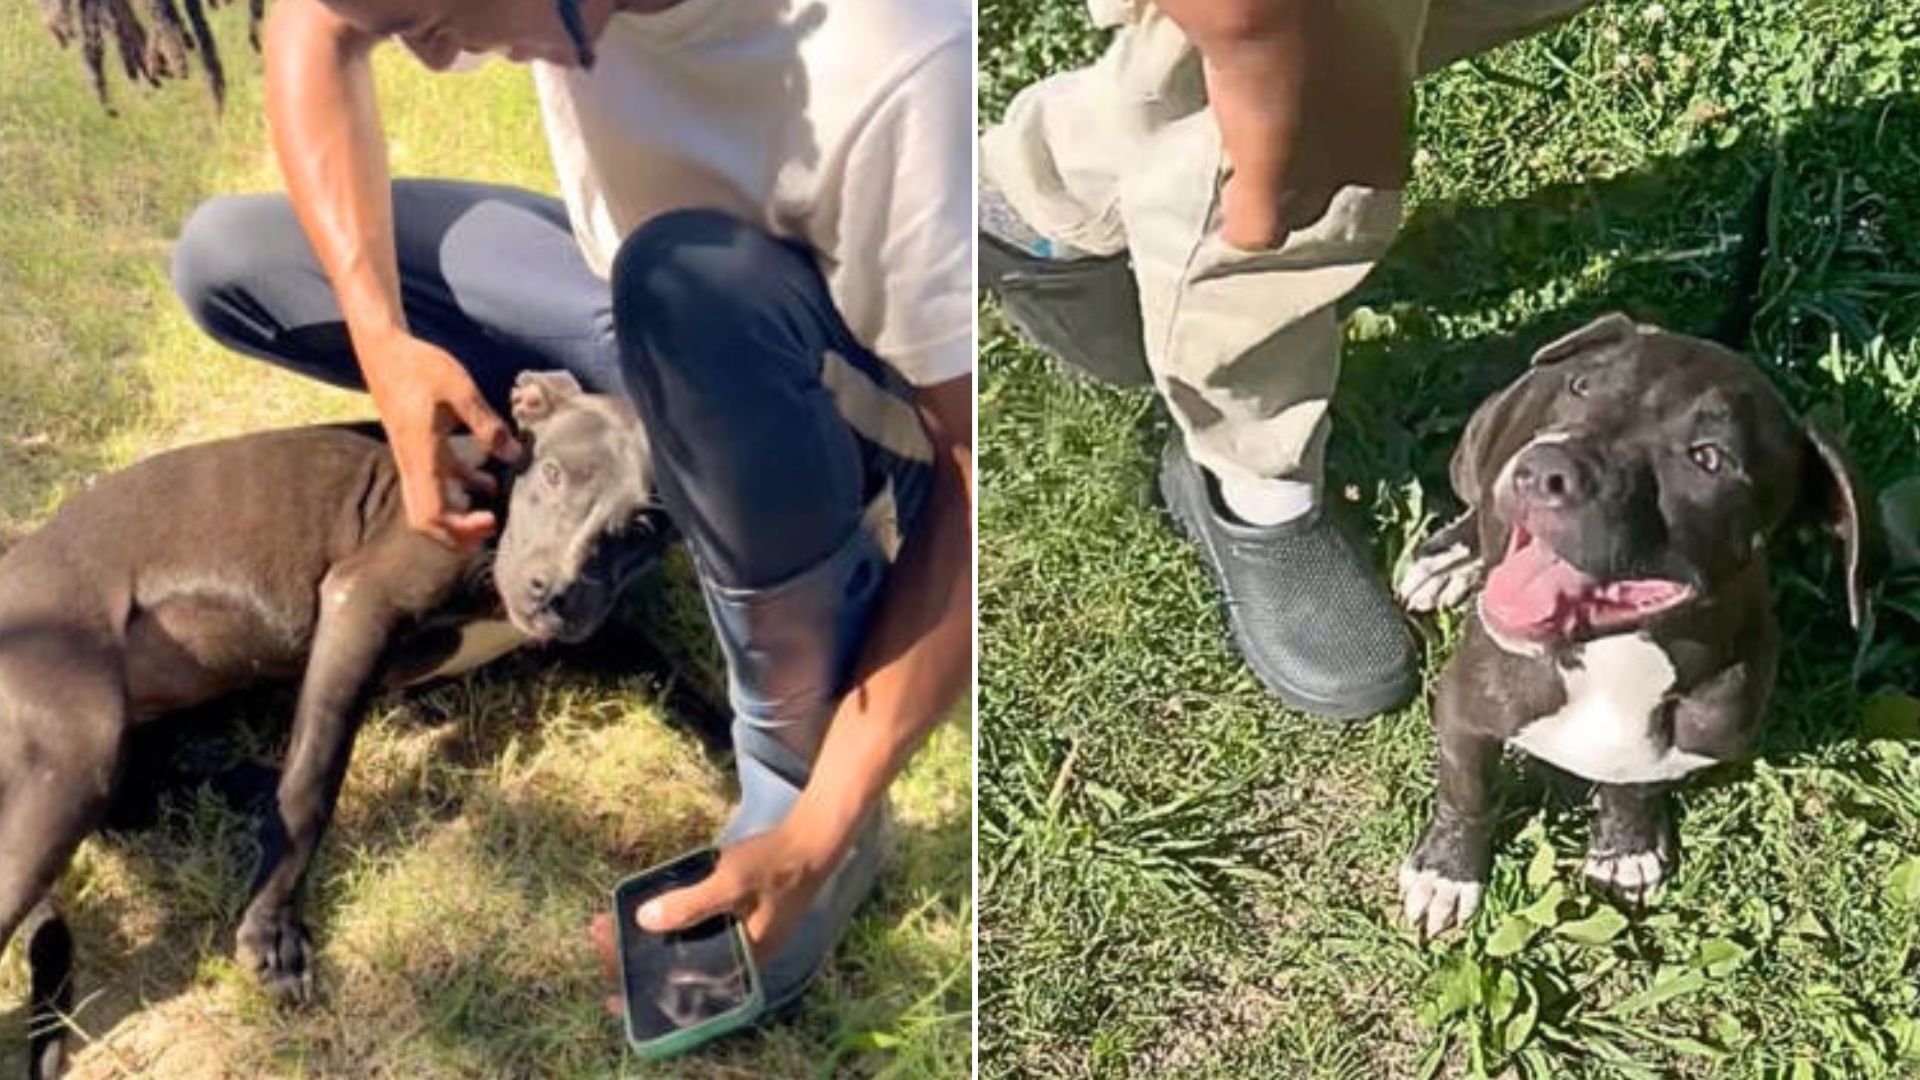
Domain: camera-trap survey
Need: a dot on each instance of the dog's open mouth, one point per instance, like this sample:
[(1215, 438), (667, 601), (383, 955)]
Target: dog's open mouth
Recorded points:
[(1537, 597)]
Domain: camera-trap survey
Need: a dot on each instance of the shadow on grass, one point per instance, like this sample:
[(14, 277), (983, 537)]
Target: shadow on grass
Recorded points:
[(184, 828), (465, 1007), (180, 845)]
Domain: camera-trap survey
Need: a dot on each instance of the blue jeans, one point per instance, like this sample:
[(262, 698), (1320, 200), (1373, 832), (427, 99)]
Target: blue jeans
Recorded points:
[(730, 346)]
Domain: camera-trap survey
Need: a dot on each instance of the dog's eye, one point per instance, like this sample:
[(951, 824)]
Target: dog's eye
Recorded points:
[(1580, 384), (1709, 457), (552, 473)]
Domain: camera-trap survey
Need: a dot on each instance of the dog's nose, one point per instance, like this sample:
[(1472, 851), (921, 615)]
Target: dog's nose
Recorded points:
[(537, 588), (1549, 475)]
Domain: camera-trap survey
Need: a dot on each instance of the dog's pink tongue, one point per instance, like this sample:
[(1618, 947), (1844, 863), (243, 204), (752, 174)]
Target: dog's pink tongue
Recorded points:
[(1530, 588)]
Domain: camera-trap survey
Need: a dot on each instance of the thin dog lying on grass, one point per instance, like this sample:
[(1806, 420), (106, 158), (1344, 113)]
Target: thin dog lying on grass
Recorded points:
[(1622, 495), (278, 555)]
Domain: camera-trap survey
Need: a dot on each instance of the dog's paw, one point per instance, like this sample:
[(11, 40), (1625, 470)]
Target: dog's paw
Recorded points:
[(277, 951), (1633, 848), (536, 394), (1432, 904), (1439, 578), (1442, 881), (1633, 877)]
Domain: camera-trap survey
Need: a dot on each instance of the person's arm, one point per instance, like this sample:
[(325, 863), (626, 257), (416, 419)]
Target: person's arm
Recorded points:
[(917, 659), (913, 669), (1310, 95), (909, 198), (328, 142)]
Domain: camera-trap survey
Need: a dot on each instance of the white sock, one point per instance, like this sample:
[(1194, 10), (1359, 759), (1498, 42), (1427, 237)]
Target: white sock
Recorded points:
[(1259, 501)]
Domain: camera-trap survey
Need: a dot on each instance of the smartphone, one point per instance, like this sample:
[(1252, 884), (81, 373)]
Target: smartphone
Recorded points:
[(684, 987)]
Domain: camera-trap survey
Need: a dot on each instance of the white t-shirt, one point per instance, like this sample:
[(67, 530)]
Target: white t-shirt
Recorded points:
[(846, 124)]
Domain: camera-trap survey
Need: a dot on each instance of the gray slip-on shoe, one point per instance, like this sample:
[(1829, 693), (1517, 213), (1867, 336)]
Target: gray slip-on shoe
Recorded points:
[(1308, 611)]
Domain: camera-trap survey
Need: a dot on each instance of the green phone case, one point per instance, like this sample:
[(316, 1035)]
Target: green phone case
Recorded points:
[(685, 1039)]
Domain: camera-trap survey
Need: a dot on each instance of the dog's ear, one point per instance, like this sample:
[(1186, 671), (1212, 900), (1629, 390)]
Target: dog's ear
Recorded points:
[(1831, 494), (1608, 331), (1473, 461), (537, 393)]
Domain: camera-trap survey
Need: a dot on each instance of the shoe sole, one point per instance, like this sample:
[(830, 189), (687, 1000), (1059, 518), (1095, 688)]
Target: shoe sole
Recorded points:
[(1363, 705)]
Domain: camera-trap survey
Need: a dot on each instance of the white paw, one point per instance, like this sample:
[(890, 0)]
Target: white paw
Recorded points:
[(1432, 903), (1634, 877), (1440, 579)]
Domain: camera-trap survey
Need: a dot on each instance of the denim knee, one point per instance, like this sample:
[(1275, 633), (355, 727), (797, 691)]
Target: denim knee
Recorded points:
[(221, 249), (689, 277)]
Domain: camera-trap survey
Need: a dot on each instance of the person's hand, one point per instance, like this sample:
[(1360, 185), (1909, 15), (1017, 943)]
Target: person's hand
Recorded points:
[(422, 393), (1309, 97), (766, 880)]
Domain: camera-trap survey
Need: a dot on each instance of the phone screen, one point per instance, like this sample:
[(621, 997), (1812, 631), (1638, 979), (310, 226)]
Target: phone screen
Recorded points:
[(681, 979)]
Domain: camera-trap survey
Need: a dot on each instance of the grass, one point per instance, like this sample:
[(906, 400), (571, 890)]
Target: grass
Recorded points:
[(483, 820), (1181, 878)]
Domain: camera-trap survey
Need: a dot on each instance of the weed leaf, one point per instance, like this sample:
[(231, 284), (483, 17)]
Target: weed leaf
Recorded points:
[(1512, 936), (1598, 928), (1669, 984), (1545, 912)]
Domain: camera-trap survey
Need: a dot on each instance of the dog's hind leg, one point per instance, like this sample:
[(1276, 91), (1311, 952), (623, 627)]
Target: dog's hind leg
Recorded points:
[(52, 796)]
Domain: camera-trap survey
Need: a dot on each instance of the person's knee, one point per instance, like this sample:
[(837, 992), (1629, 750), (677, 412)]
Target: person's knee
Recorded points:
[(220, 249), (688, 279)]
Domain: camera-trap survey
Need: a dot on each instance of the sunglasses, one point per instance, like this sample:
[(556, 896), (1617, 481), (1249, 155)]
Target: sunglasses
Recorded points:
[(576, 30)]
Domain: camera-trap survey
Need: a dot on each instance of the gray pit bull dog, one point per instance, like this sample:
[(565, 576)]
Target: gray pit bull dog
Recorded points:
[(279, 555), (1621, 495)]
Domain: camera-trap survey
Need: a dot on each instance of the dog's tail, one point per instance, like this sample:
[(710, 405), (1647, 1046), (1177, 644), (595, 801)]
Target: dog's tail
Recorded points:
[(1735, 327)]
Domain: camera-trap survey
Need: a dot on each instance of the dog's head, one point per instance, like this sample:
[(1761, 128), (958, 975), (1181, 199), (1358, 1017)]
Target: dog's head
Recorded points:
[(1633, 473), (579, 516)]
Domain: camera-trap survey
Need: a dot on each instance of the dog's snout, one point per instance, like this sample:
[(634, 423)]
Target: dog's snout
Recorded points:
[(1549, 475)]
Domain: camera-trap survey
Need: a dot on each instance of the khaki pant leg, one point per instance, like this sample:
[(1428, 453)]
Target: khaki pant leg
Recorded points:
[(1065, 142), (1245, 345)]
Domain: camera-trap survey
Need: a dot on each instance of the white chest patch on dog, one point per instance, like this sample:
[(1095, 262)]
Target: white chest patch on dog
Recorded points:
[(481, 642), (1610, 731)]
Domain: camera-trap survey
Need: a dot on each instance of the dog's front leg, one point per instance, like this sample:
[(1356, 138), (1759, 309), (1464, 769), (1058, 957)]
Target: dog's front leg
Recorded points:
[(1446, 567), (356, 619), (1441, 882), (1631, 851)]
